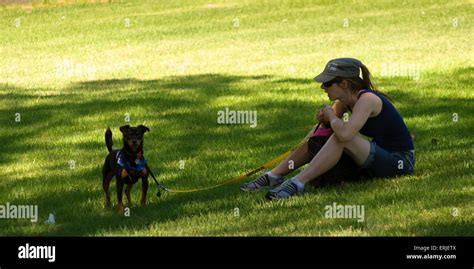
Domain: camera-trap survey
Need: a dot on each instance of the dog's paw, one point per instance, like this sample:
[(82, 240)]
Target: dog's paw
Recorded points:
[(120, 209)]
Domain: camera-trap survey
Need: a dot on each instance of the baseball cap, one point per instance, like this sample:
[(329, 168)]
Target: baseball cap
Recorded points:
[(341, 67)]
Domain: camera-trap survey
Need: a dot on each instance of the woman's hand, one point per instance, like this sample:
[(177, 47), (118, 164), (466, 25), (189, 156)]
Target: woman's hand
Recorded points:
[(321, 118), (327, 112), (323, 115)]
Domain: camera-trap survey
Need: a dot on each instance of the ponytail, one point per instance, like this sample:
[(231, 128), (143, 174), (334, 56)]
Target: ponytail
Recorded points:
[(366, 78), (365, 82)]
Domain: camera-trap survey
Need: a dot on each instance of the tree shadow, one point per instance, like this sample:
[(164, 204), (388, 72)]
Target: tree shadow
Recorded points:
[(181, 112)]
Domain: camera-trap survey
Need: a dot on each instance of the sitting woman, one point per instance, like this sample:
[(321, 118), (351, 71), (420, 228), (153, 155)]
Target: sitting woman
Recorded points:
[(389, 153)]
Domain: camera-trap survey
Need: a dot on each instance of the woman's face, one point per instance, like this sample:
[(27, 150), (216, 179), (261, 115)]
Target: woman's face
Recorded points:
[(334, 90)]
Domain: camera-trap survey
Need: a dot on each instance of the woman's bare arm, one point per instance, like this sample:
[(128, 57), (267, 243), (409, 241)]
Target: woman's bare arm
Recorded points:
[(339, 109)]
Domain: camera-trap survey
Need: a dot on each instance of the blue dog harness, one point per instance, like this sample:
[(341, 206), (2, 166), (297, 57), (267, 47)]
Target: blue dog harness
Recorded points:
[(139, 165)]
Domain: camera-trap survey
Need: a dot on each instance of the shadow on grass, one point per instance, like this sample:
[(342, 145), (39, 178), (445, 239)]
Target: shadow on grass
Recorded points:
[(182, 120)]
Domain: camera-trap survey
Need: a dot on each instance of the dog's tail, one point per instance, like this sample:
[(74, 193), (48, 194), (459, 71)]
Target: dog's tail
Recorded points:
[(108, 139)]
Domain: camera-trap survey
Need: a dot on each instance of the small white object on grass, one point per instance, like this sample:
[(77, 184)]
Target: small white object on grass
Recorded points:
[(50, 219)]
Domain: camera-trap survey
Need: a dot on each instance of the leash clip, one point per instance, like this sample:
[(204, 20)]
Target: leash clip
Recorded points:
[(163, 187)]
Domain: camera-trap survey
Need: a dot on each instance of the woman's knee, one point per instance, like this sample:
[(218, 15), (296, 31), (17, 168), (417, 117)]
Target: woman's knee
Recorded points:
[(358, 148), (334, 139), (347, 145)]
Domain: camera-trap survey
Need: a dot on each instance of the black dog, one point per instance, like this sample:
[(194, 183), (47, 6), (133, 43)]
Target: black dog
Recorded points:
[(127, 164)]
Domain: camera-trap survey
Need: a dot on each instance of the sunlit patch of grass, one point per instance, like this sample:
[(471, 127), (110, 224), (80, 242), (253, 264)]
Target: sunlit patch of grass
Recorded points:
[(72, 70)]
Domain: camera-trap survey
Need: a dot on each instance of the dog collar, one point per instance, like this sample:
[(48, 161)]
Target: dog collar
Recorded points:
[(139, 163)]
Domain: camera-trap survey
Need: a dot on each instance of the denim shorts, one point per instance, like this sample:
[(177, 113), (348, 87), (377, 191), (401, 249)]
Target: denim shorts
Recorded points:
[(384, 163)]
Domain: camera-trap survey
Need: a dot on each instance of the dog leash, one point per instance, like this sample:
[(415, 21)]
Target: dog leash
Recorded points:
[(235, 179)]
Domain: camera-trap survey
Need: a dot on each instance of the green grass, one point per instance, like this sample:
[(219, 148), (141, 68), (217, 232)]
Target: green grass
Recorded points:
[(179, 63)]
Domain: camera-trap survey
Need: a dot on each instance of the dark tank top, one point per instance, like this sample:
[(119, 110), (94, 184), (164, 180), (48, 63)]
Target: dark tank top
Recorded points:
[(387, 129)]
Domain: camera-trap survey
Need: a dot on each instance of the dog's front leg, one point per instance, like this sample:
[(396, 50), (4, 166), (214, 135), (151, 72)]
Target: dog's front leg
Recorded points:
[(105, 185), (144, 177), (128, 189), (120, 184)]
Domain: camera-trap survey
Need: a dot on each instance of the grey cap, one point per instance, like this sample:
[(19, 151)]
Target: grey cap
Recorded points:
[(341, 67)]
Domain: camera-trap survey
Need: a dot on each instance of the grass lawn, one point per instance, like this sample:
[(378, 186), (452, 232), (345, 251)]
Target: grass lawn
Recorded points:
[(68, 71)]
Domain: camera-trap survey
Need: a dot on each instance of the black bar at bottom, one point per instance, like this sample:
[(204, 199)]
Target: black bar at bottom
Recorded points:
[(449, 251)]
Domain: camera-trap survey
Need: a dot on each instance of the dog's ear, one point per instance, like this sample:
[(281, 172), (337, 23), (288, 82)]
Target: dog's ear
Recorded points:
[(124, 128), (143, 128)]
